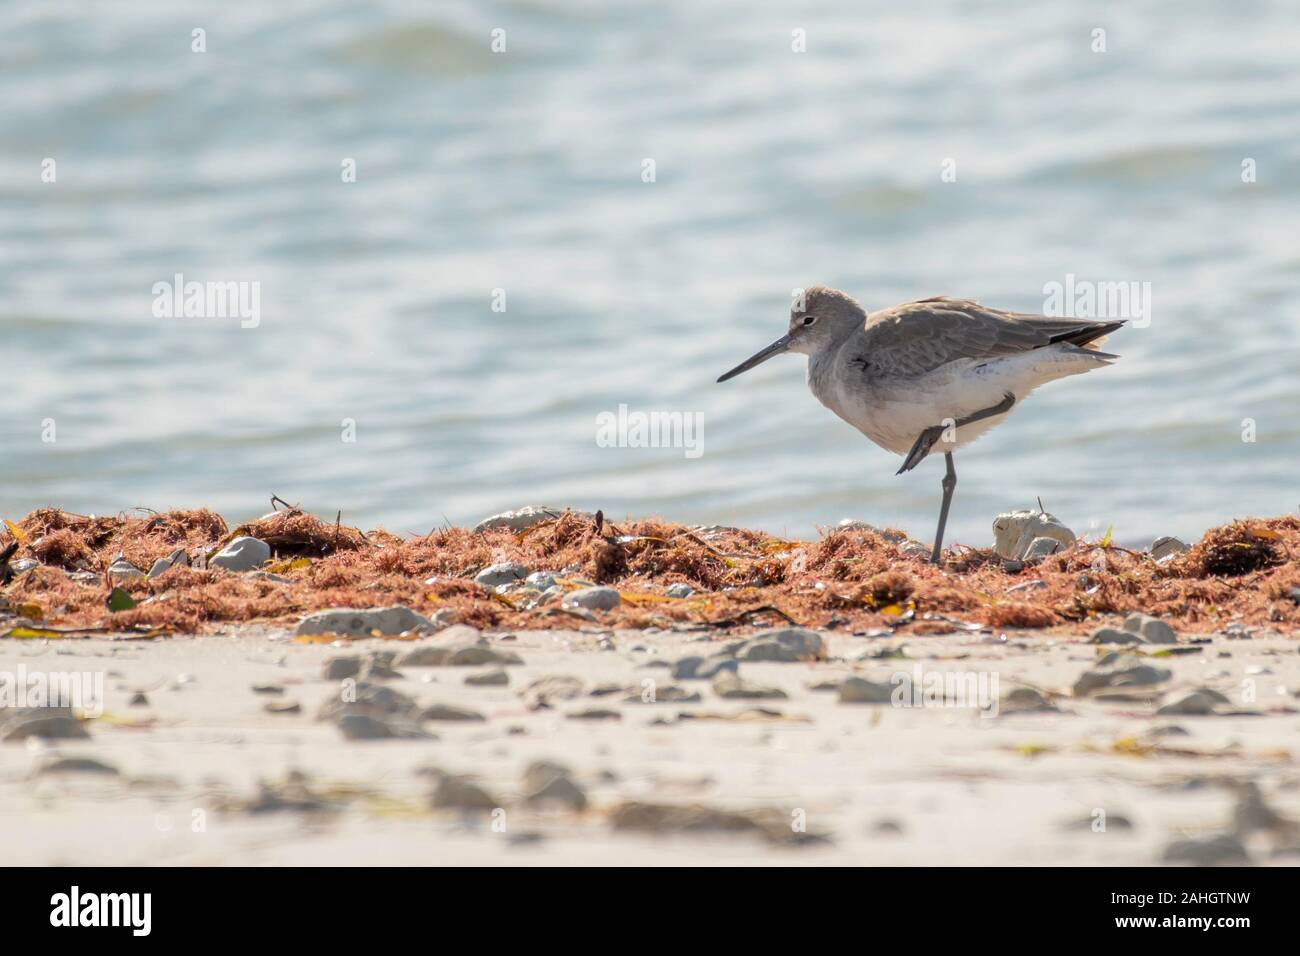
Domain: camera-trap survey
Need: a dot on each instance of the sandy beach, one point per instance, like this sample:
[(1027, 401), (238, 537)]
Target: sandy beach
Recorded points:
[(202, 772), (553, 688)]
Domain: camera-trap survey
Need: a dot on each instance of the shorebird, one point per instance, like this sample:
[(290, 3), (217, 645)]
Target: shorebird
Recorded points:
[(936, 372)]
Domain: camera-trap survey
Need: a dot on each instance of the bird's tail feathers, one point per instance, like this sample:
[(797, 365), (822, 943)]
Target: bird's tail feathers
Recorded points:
[(1090, 336)]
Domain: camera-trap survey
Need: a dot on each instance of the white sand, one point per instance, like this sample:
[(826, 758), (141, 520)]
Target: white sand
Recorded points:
[(963, 789)]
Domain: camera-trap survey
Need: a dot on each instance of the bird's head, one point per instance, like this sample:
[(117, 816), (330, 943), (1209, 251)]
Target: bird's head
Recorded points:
[(819, 318)]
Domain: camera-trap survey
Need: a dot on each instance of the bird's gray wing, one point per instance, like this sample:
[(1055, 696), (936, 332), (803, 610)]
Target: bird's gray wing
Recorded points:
[(917, 337)]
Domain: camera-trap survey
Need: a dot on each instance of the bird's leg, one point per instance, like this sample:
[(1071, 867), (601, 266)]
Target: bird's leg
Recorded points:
[(926, 440), (1003, 406), (949, 483)]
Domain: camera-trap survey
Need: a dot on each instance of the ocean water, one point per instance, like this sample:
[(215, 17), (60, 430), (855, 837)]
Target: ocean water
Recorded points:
[(522, 171)]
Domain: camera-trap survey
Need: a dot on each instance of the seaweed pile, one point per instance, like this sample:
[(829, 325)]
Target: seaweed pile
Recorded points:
[(855, 578)]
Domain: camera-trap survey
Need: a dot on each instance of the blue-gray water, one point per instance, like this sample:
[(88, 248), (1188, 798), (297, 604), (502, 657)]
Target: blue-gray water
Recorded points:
[(522, 171)]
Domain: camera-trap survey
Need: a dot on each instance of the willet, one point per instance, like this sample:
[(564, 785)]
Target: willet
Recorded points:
[(933, 372)]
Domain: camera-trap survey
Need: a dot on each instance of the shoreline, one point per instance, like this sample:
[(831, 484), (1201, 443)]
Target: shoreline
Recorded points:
[(189, 572), (856, 706)]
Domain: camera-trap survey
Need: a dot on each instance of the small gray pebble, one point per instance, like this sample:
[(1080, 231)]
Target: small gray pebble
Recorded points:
[(495, 575)]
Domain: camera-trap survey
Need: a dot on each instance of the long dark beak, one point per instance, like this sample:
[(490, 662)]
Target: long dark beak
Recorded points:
[(776, 348)]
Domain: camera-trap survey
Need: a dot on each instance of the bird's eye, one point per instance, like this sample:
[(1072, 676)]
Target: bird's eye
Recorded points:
[(809, 319)]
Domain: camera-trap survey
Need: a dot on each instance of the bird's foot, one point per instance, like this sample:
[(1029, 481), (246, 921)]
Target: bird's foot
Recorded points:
[(924, 442)]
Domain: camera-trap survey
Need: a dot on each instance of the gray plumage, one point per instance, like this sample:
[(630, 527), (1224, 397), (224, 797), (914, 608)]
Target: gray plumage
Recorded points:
[(918, 337), (934, 373)]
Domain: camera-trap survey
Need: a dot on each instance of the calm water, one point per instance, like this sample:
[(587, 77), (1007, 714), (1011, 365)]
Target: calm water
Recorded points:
[(522, 171)]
